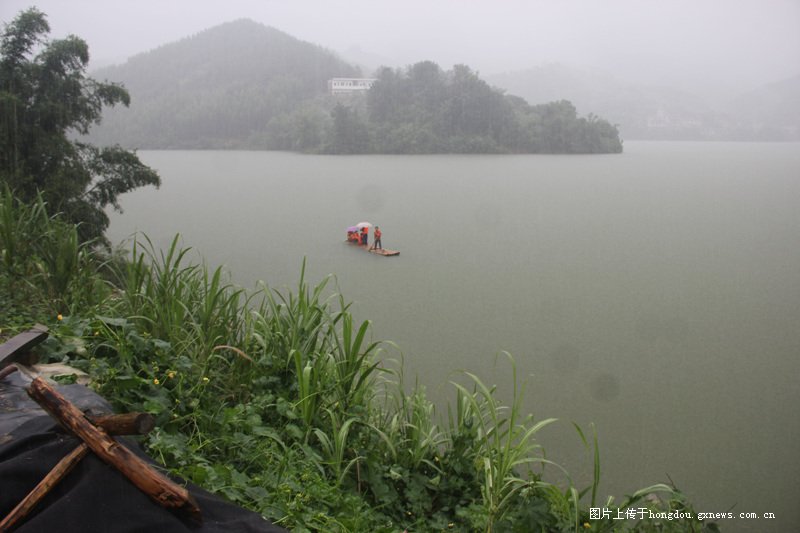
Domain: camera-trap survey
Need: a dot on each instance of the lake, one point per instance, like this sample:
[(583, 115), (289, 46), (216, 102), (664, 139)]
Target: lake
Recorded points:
[(654, 293)]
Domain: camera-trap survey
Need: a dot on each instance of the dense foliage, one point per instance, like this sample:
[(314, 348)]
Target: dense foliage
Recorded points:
[(45, 101), (244, 85), (424, 109), (281, 402)]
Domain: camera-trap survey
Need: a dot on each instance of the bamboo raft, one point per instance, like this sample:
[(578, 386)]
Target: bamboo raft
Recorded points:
[(381, 251), (378, 251)]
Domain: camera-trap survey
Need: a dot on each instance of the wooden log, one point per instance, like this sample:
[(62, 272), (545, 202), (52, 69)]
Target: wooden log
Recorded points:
[(58, 472), (125, 424), (156, 485)]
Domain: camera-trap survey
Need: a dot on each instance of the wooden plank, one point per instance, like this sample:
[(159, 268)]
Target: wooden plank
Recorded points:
[(15, 349), (156, 485)]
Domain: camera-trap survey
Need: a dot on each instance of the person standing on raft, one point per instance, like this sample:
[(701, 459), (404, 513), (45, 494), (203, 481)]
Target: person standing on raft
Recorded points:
[(364, 235), (376, 244)]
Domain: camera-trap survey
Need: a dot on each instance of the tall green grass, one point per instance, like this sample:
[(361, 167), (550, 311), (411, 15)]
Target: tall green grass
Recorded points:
[(506, 442), (179, 301), (44, 261), (21, 227)]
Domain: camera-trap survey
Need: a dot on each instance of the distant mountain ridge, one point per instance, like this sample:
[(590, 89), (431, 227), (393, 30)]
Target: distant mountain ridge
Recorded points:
[(219, 88), (771, 110), (770, 113)]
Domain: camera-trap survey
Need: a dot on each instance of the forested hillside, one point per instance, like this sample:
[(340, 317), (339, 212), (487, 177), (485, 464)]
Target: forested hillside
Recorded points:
[(226, 87), (247, 86)]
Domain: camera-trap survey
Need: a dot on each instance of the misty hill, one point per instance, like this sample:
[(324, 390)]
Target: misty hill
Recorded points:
[(770, 112), (220, 88), (648, 112), (245, 85)]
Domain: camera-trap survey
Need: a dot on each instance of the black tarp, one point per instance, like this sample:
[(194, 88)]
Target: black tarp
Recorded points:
[(94, 497)]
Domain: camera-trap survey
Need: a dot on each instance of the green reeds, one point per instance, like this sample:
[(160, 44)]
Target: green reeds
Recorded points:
[(43, 253), (21, 227), (334, 445), (181, 302), (595, 462), (354, 361), (330, 363), (506, 441)]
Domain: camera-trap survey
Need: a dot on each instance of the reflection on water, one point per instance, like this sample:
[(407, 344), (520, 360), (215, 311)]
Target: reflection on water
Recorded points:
[(654, 293)]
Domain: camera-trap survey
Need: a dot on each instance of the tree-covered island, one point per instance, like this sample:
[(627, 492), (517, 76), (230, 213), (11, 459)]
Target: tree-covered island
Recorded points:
[(424, 109), (243, 85)]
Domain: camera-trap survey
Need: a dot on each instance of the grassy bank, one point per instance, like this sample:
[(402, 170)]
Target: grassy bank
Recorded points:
[(281, 402)]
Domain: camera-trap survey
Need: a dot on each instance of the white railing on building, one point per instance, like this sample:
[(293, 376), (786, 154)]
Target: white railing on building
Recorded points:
[(349, 85)]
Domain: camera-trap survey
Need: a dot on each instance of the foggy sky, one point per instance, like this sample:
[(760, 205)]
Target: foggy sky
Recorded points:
[(700, 45)]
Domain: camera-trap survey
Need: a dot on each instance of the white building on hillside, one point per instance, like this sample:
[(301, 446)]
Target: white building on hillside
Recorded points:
[(350, 85)]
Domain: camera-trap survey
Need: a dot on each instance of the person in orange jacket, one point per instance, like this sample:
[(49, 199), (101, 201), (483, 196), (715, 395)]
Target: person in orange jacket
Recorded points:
[(377, 239), (364, 235)]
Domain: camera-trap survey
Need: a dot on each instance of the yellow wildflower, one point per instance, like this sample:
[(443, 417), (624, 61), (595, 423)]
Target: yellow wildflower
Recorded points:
[(60, 317), (587, 525), (171, 374), (205, 379), (155, 381)]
